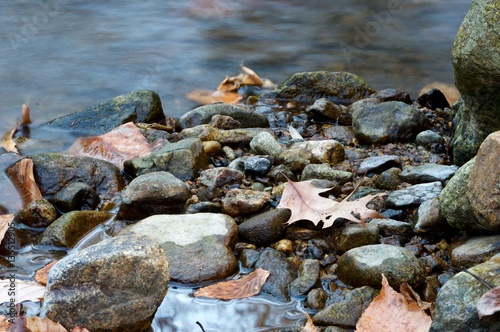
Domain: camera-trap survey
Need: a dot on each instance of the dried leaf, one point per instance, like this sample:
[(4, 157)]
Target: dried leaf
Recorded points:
[(309, 327), (25, 113), (412, 297), (122, 143), (4, 324), (24, 180), (37, 324), (246, 286), (42, 274), (25, 291), (250, 77), (5, 222), (8, 143), (391, 312), (303, 199), (79, 329), (489, 303), (204, 97), (294, 134)]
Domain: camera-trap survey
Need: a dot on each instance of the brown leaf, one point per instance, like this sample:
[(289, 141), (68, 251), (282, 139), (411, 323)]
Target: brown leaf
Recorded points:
[(303, 199), (412, 297), (309, 327), (204, 97), (24, 180), (122, 143), (250, 77), (25, 113), (5, 222), (79, 329), (391, 312), (489, 303), (8, 143), (42, 274), (37, 324), (25, 291), (246, 286), (4, 324)]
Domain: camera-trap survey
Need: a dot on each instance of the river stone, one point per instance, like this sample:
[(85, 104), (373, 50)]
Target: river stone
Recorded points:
[(475, 250), (115, 285), (342, 134), (433, 99), (203, 115), (198, 246), (224, 122), (265, 143), (428, 137), (38, 213), (388, 227), (308, 277), (456, 301), (363, 266), (476, 65), (324, 110), (414, 195), (242, 202), (338, 87), (378, 164), (323, 171), (71, 227), (283, 273), (484, 185), (153, 193), (430, 218), (454, 203), (234, 137), (347, 311), (220, 176), (264, 228), (257, 166), (54, 171), (392, 95), (316, 299), (356, 235), (296, 159), (76, 196), (376, 124), (139, 106), (389, 179), (184, 159), (325, 151), (427, 173)]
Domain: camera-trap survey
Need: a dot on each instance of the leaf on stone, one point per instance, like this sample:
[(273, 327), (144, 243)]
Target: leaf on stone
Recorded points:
[(489, 303), (309, 327), (25, 113), (303, 199), (8, 143), (246, 286), (42, 274), (122, 143), (79, 329), (5, 220), (25, 291), (23, 179), (391, 312)]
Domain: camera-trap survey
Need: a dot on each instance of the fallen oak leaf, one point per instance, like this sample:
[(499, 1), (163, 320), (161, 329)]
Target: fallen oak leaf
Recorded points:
[(246, 286), (5, 222), (23, 179), (309, 327), (25, 113), (489, 303), (42, 274), (37, 324), (8, 143)]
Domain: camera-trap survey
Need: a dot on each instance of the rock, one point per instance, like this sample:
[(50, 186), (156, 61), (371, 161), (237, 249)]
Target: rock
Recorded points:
[(389, 179), (282, 274), (54, 171), (348, 311), (71, 227), (475, 250), (324, 110), (220, 176), (241, 202), (456, 301), (198, 246), (224, 122), (356, 235), (378, 164), (264, 228), (76, 196), (323, 171), (483, 186), (38, 213), (477, 72), (388, 227), (284, 245), (428, 137), (278, 173), (363, 266), (414, 195), (265, 143), (427, 173), (257, 166), (307, 87), (203, 115), (430, 218), (433, 99), (295, 159), (376, 125), (324, 151), (115, 285), (184, 159), (212, 148), (343, 134), (153, 193), (392, 95), (454, 203), (308, 277), (235, 137), (248, 257), (139, 106), (200, 207), (316, 299)]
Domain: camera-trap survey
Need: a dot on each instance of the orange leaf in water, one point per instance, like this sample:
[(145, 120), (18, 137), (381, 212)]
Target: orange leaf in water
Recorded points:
[(309, 327), (8, 143), (24, 180), (42, 274), (489, 303), (122, 143), (391, 312), (5, 222), (25, 291), (246, 286), (25, 113)]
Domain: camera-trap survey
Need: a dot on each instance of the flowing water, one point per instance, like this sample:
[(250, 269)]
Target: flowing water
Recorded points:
[(66, 55)]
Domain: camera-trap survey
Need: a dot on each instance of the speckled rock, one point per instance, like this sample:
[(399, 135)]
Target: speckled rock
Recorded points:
[(324, 151), (356, 235), (225, 137), (430, 218), (264, 228), (414, 195), (324, 110), (296, 159), (38, 213), (308, 277), (475, 250), (242, 202), (389, 180), (378, 164), (316, 299), (387, 227), (392, 95), (257, 166), (427, 173), (220, 176), (428, 137), (323, 171), (343, 134), (76, 196), (265, 143)]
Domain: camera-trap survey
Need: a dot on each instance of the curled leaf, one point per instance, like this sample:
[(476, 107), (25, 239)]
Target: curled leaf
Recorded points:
[(25, 113), (42, 274), (23, 178), (8, 143), (309, 327), (489, 303), (5, 221)]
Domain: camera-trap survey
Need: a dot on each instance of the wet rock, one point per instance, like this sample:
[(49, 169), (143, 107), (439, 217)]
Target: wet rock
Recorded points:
[(257, 166), (212, 148), (428, 137), (356, 235), (224, 122), (308, 277), (387, 227), (242, 202), (316, 299), (476, 71), (296, 159), (153, 193), (378, 164), (84, 288), (203, 115), (343, 134), (71, 227), (483, 185), (248, 257), (363, 266), (376, 125), (392, 95), (54, 171), (235, 137), (279, 172), (220, 176), (325, 151), (475, 250), (284, 245), (282, 273), (348, 311), (427, 173), (433, 99), (323, 110), (265, 143), (389, 179), (264, 228), (200, 207), (456, 301), (237, 164), (139, 106), (454, 203), (38, 213), (184, 159), (414, 195), (198, 246), (76, 196), (338, 87), (430, 218), (323, 171)]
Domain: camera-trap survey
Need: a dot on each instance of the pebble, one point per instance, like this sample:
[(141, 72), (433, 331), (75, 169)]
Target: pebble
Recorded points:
[(414, 195), (308, 277), (378, 164), (76, 196), (389, 179), (323, 171), (265, 143), (427, 173), (428, 137), (221, 176), (242, 202), (257, 166), (38, 213), (296, 159), (264, 228), (475, 250), (324, 151), (357, 235), (430, 218)]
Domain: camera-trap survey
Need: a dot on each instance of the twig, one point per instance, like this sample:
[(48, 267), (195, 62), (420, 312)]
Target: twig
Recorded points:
[(201, 326), (484, 282)]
